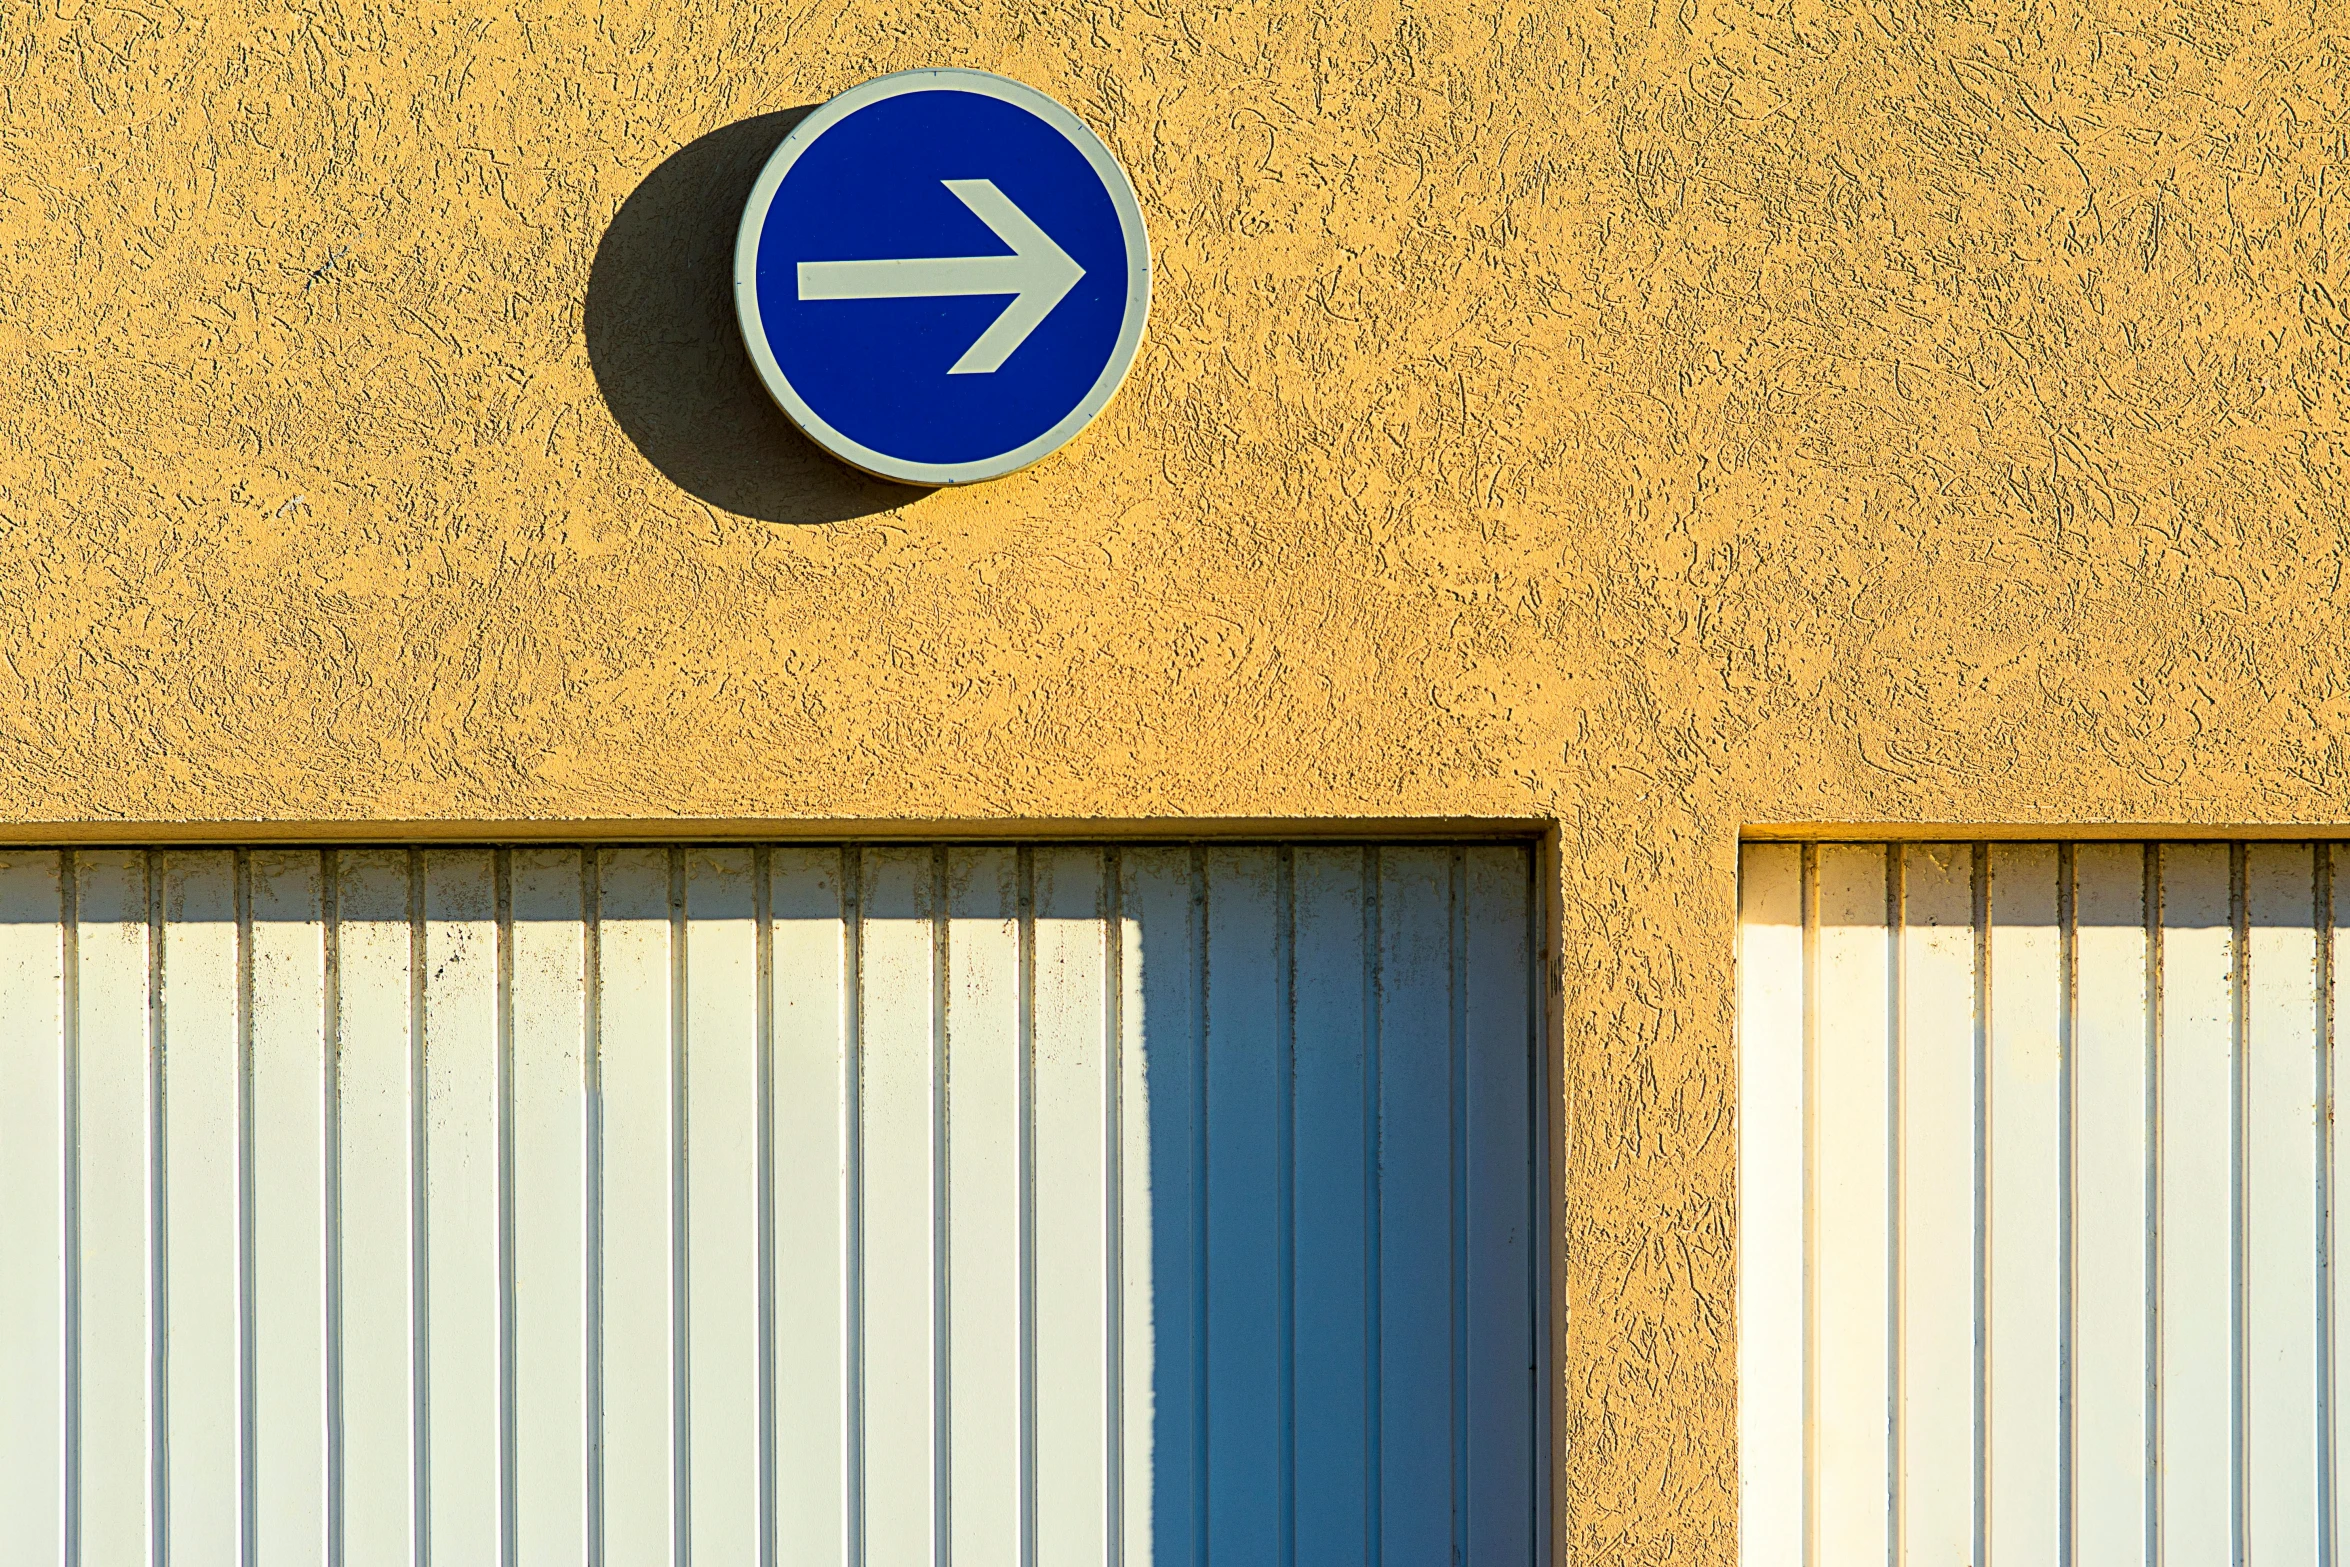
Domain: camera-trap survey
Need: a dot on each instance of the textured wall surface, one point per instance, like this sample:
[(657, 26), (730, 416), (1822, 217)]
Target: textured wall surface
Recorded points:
[(1648, 419)]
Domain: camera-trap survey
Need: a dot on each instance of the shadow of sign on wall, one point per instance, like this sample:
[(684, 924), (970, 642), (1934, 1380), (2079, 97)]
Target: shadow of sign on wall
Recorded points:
[(668, 355)]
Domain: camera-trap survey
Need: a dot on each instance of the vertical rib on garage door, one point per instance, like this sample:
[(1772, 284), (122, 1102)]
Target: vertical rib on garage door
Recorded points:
[(2037, 1214), (896, 1205)]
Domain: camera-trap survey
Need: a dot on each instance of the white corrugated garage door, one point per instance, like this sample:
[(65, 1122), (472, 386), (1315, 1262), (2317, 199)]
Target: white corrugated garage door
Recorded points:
[(896, 1205), (2037, 1218)]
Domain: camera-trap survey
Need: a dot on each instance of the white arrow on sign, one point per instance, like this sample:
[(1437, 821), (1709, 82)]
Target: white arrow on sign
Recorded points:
[(1038, 273)]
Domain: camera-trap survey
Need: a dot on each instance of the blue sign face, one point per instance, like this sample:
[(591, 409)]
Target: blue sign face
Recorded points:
[(942, 276)]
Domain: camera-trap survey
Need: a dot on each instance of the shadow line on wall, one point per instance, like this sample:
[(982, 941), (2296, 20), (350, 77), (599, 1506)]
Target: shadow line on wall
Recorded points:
[(668, 355)]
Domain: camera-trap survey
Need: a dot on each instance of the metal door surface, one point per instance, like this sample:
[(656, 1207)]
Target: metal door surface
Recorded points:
[(902, 1204), (2039, 1203)]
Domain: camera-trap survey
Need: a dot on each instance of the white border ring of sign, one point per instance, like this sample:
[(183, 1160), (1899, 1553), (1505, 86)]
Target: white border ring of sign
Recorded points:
[(986, 84)]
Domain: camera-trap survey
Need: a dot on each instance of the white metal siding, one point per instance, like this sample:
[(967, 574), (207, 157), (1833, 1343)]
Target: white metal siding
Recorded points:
[(2037, 1206), (898, 1205)]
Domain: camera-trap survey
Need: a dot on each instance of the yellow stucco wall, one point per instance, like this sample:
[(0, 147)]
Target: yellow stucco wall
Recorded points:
[(1644, 419)]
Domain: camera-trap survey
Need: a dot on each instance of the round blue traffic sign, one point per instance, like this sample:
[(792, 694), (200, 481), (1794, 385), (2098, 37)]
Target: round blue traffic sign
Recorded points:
[(942, 276)]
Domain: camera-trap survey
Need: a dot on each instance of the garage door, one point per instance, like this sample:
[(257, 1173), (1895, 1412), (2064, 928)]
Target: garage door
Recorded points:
[(896, 1205), (2037, 1203)]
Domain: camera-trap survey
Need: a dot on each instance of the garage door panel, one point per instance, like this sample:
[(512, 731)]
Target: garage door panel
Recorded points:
[(1336, 1177), (35, 1146), (2134, 1293), (552, 1183), (2023, 1218), (1162, 904), (1939, 1123), (112, 1286), (2113, 1185), (203, 1206), (1502, 1241), (1073, 1115), (636, 1101), (378, 932), (813, 1126), (1853, 1193), (898, 1214), (2333, 868), (1418, 1140), (1246, 1113), (2279, 1212), (987, 1150), (721, 1061), (1052, 1203), (1773, 1400), (2197, 1194), (288, 1141)]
